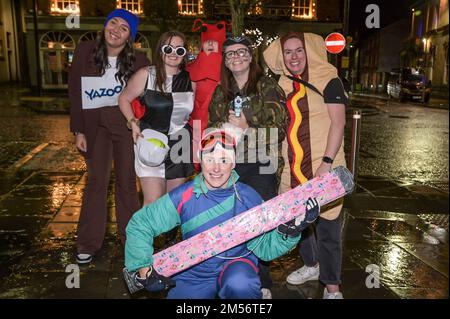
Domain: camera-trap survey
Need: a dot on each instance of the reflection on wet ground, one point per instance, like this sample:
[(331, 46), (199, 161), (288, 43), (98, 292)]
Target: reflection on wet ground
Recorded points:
[(386, 218), (413, 148), (38, 234)]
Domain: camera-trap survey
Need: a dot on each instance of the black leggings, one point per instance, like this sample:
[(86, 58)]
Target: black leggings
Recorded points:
[(266, 186), (322, 244)]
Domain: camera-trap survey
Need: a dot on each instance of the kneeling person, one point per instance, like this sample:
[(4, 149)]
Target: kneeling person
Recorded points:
[(213, 197)]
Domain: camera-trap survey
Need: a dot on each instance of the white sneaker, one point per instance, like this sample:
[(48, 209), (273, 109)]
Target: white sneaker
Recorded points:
[(436, 231), (303, 275), (332, 295), (427, 238), (266, 294), (84, 258)]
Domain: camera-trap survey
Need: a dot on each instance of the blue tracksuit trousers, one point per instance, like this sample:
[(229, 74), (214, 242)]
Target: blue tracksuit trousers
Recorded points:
[(238, 279)]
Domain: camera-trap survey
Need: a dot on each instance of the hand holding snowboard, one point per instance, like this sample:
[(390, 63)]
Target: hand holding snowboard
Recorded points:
[(295, 227), (153, 282)]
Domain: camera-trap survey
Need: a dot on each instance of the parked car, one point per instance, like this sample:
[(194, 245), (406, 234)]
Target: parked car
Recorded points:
[(406, 84)]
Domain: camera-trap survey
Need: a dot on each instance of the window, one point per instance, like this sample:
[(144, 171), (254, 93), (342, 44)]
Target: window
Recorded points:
[(62, 7), (136, 6), (190, 7), (55, 56), (88, 36), (303, 9), (142, 44), (255, 10)]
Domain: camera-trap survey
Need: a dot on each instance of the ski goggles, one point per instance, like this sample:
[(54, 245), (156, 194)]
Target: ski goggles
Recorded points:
[(210, 140), (168, 49)]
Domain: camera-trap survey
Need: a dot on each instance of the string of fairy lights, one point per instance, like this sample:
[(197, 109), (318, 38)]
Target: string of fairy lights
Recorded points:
[(257, 37)]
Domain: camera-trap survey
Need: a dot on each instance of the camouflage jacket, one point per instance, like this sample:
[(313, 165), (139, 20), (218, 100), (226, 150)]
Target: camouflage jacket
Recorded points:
[(265, 113)]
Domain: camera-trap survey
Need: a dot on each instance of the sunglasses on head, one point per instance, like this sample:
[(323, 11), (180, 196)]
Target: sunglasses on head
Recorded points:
[(168, 49)]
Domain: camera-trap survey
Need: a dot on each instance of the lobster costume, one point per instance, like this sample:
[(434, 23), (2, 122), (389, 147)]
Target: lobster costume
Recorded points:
[(205, 70)]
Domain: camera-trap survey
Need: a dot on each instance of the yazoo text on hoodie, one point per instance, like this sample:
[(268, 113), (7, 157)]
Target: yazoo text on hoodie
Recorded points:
[(102, 92)]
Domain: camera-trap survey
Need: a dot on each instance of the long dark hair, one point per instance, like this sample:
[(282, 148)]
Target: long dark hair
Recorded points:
[(125, 59), (227, 79), (158, 57)]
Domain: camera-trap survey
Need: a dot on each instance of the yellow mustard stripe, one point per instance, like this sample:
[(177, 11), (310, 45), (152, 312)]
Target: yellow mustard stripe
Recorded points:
[(297, 148)]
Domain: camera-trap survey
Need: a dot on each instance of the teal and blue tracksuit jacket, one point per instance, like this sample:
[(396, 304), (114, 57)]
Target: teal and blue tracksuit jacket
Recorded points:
[(231, 274)]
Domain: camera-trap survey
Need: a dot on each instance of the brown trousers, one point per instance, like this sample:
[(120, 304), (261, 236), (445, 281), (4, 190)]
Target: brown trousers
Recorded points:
[(113, 141)]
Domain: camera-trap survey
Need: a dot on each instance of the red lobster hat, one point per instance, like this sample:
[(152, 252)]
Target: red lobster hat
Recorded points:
[(216, 32)]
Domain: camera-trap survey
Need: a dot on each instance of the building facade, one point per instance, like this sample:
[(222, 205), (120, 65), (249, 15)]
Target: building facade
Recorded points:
[(10, 54), (378, 54), (427, 46), (38, 39)]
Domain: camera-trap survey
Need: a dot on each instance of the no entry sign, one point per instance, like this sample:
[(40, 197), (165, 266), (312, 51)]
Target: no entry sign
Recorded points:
[(335, 42)]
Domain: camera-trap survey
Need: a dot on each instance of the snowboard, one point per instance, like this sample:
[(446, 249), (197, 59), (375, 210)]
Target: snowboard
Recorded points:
[(325, 188)]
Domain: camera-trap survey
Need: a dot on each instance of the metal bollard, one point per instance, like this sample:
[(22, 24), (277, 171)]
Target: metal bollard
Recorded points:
[(354, 151), (423, 94)]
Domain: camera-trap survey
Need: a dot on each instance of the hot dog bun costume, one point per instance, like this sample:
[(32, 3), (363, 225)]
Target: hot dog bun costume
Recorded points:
[(309, 121)]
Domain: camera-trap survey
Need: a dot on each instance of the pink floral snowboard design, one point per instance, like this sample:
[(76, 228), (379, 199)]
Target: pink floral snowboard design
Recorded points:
[(254, 222)]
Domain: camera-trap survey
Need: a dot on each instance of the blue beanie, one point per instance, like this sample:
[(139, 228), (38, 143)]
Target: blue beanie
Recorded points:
[(130, 18)]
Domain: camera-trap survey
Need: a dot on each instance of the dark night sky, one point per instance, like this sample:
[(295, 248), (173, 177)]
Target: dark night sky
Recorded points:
[(390, 11)]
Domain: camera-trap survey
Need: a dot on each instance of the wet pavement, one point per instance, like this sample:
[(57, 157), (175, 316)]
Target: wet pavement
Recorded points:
[(402, 189), (437, 101)]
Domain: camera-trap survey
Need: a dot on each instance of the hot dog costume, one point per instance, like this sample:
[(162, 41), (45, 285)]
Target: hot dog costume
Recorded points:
[(308, 111), (205, 70), (232, 274)]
